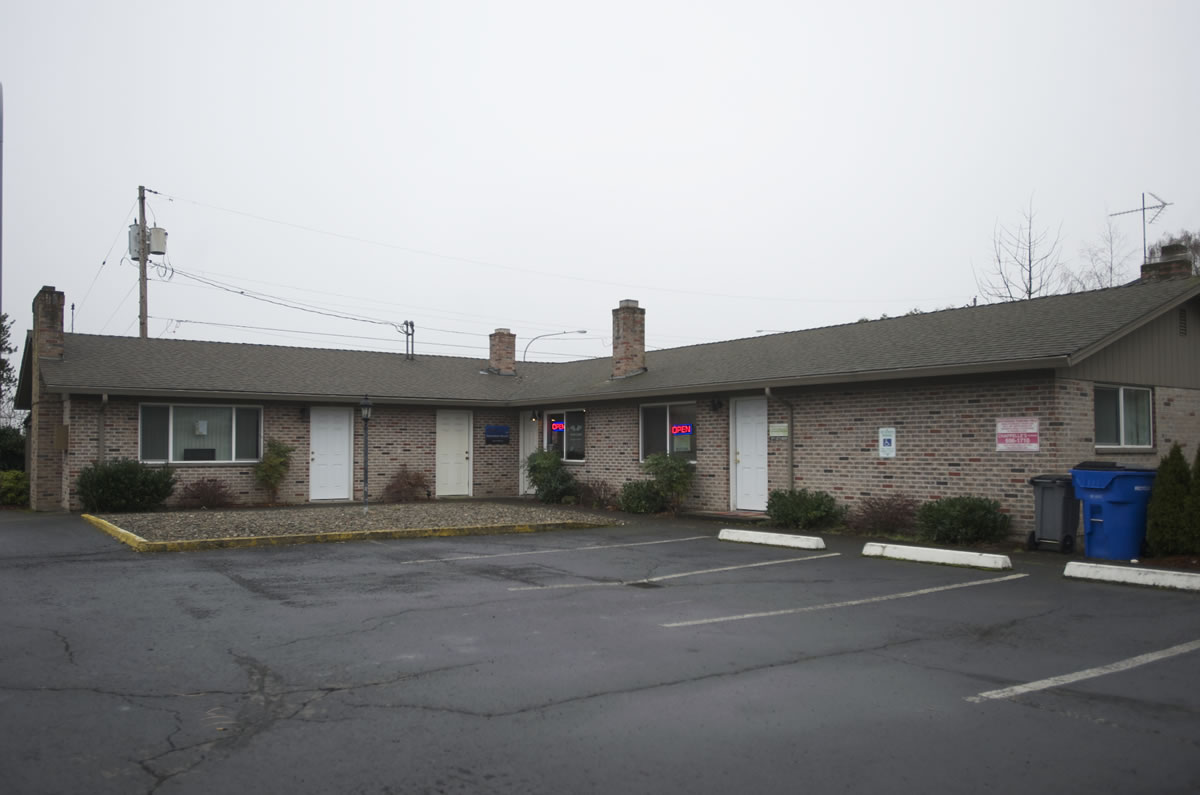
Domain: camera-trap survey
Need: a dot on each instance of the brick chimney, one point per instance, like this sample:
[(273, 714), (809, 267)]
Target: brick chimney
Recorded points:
[(46, 415), (629, 339), (502, 358), (1174, 262), (48, 323)]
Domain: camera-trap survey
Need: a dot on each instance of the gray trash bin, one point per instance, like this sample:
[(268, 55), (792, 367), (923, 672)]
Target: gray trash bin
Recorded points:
[(1055, 513)]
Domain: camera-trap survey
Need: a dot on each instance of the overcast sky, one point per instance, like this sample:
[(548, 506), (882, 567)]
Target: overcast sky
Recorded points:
[(733, 166)]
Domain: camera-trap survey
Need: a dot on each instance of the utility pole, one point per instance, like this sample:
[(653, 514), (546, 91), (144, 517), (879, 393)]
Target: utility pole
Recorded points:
[(143, 253), (1, 194)]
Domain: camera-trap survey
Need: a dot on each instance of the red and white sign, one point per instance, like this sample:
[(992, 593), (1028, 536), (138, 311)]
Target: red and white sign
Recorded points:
[(1017, 434)]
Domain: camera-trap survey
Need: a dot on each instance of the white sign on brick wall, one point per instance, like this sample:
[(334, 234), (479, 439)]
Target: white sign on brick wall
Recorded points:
[(887, 442), (1017, 434)]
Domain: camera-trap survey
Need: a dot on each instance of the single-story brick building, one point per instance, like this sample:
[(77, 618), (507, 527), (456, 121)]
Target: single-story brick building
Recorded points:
[(964, 401)]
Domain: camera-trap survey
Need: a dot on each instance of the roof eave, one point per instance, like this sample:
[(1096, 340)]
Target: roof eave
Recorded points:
[(277, 397)]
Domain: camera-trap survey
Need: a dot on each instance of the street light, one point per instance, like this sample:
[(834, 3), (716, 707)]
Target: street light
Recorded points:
[(524, 356), (365, 408)]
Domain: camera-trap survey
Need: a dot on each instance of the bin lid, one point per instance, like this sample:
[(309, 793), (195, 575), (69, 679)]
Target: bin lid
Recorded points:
[(1104, 479), (1102, 466), (1050, 480)]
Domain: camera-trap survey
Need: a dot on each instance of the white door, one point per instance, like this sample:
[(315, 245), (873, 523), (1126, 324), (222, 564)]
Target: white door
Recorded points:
[(750, 454), (527, 444), (330, 453), (453, 453)]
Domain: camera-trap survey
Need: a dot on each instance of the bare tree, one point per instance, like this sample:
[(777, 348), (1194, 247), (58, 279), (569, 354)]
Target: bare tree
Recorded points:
[(1028, 261), (1106, 260), (9, 417)]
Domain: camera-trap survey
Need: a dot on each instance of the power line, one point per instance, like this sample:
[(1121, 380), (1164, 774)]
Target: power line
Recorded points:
[(180, 321), (515, 268), (104, 261), (301, 306), (118, 307)]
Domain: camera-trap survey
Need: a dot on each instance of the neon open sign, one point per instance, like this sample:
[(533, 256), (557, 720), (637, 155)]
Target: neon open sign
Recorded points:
[(558, 426), (679, 430)]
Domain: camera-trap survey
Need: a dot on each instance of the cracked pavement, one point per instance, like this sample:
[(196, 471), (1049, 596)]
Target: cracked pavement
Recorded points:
[(409, 666)]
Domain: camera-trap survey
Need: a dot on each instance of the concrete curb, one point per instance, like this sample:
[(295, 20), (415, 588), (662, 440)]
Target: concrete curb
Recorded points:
[(771, 539), (1128, 575), (140, 544), (946, 557)]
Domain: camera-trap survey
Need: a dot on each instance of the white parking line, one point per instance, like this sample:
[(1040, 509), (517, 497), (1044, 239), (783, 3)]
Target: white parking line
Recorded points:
[(670, 576), (1090, 673), (548, 551), (851, 603)]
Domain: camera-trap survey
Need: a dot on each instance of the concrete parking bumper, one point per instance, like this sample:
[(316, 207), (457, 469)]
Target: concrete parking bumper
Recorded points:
[(945, 557), (1133, 575), (771, 539)]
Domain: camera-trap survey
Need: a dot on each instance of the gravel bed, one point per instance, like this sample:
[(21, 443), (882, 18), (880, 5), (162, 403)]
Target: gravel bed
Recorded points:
[(258, 522)]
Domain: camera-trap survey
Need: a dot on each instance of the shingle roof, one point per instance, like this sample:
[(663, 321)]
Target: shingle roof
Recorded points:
[(1044, 332)]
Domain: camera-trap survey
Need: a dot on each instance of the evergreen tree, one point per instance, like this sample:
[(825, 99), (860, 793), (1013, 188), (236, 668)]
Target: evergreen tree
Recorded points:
[(1167, 520), (1193, 510)]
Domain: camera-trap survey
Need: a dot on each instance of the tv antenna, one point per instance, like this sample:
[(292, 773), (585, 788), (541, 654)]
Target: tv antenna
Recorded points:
[(1158, 210)]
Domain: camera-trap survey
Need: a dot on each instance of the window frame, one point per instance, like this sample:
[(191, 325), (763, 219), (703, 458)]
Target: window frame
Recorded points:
[(546, 434), (233, 410), (1120, 444), (642, 427)]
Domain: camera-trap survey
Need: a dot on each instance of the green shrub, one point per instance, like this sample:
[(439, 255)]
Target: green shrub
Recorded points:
[(550, 476), (124, 485), (672, 477), (962, 520), (1169, 525), (407, 485), (801, 509), (270, 472), (894, 514), (208, 493), (14, 487), (597, 493), (643, 496), (12, 448)]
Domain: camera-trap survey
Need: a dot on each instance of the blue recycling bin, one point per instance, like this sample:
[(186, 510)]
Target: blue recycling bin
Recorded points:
[(1114, 510)]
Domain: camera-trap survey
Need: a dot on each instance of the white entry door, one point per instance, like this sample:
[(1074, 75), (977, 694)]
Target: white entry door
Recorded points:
[(453, 453), (331, 457), (528, 444), (750, 454)]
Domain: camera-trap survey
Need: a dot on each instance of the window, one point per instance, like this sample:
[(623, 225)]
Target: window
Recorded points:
[(1123, 417), (669, 428), (566, 433), (200, 433)]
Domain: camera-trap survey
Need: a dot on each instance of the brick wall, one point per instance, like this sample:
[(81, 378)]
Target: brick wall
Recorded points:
[(401, 436), (1176, 419), (119, 419), (613, 447), (495, 465), (945, 440), (945, 443), (46, 463)]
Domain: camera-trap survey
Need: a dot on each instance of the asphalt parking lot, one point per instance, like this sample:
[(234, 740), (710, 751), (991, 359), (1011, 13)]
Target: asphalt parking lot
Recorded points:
[(644, 658)]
